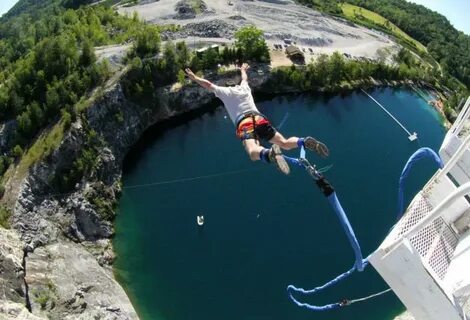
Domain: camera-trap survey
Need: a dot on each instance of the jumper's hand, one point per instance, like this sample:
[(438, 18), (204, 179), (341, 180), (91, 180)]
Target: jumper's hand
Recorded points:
[(244, 67), (190, 74)]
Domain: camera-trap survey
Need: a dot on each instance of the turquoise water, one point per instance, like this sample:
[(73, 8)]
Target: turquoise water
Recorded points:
[(263, 230)]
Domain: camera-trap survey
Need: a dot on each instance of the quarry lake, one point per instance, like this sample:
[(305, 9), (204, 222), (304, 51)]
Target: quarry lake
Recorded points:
[(264, 231)]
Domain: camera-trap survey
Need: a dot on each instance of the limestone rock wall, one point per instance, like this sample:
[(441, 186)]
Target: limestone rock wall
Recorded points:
[(65, 281)]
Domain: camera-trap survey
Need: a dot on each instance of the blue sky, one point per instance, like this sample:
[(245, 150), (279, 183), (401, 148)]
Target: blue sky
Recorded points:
[(5, 5), (457, 11)]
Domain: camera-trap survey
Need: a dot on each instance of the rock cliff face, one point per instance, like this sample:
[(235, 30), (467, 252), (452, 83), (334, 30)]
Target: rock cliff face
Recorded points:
[(67, 282), (7, 130), (12, 272), (57, 260)]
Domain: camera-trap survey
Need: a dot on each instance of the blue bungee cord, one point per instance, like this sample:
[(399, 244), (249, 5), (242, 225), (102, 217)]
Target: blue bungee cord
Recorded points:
[(360, 263), (418, 155)]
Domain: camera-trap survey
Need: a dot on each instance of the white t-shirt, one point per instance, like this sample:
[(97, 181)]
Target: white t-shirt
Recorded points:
[(237, 100)]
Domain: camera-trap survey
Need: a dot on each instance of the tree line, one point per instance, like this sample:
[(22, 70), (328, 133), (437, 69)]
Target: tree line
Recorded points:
[(331, 72)]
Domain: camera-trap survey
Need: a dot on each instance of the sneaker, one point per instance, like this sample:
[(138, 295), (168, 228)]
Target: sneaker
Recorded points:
[(277, 159), (315, 145)]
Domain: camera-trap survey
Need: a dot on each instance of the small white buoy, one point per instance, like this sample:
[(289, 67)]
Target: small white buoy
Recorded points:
[(200, 220), (413, 136), (225, 117)]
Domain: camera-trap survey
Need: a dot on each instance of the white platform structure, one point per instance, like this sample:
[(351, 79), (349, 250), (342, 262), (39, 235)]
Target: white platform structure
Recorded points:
[(426, 257)]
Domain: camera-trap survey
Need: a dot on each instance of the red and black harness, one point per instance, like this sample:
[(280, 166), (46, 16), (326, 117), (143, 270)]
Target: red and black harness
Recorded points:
[(253, 125)]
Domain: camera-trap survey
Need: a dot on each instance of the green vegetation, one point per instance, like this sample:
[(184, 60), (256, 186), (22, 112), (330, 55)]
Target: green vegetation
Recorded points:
[(82, 166), (197, 6), (330, 73), (5, 215), (42, 298), (147, 42), (47, 142), (45, 295), (327, 6), (31, 7), (99, 198), (17, 152), (452, 102), (369, 18), (251, 42), (146, 75), (60, 64), (105, 209), (447, 45), (211, 58), (5, 162)]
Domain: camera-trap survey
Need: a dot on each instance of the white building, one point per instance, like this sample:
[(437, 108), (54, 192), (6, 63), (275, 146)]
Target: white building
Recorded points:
[(426, 257)]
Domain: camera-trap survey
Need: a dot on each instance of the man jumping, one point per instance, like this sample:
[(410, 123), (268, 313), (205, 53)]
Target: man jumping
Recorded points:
[(252, 126)]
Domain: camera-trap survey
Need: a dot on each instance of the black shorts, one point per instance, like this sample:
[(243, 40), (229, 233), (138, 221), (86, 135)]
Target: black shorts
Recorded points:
[(265, 131), (260, 130)]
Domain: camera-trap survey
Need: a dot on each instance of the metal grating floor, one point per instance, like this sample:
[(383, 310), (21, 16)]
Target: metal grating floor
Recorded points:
[(417, 210), (436, 242)]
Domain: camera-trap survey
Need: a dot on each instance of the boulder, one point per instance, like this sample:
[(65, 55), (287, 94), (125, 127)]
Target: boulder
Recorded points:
[(11, 267), (65, 281)]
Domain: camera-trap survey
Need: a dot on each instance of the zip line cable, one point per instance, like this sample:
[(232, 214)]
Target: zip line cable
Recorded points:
[(174, 181), (209, 176)]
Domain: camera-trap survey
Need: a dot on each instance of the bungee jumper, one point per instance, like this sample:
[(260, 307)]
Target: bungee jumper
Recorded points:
[(252, 126)]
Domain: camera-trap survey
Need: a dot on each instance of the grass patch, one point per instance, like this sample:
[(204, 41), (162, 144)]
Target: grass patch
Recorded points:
[(42, 147), (82, 105), (103, 200), (197, 6), (5, 215), (104, 207), (358, 14), (45, 295)]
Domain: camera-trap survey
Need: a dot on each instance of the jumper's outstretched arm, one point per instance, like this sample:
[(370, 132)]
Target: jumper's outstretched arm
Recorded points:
[(202, 82), (243, 69)]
